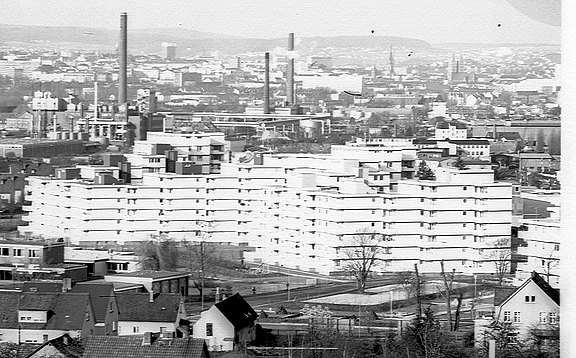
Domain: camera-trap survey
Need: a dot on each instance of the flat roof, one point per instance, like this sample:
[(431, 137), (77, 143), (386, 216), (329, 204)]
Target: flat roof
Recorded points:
[(23, 141), (151, 274)]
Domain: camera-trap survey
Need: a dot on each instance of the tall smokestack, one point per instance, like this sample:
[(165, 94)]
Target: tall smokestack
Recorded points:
[(290, 71), (267, 83), (123, 54)]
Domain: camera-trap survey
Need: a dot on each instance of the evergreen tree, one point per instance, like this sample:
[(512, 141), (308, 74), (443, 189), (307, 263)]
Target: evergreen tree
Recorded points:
[(424, 172)]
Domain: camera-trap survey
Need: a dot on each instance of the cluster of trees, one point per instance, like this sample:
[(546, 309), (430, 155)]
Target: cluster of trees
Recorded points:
[(201, 258)]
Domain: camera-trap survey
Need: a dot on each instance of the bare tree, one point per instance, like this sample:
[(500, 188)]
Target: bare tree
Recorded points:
[(407, 280), (363, 254), (202, 259), (448, 282), (159, 253), (418, 292), (500, 256)]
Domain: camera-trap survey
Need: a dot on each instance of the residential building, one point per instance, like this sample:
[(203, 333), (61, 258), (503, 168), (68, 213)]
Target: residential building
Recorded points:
[(149, 346), (227, 325), (424, 222), (39, 147), (105, 305), (34, 317), (206, 148), (169, 50), (59, 347), (142, 312), (24, 260), (532, 309), (540, 245), (296, 209), (153, 282), (446, 130), (102, 262)]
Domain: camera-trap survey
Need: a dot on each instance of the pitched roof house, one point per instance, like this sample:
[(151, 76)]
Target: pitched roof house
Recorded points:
[(31, 317), (148, 346), (59, 347), (227, 324), (532, 309), (105, 305), (142, 312)]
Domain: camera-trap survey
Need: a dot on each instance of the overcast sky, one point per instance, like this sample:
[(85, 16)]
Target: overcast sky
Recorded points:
[(430, 20)]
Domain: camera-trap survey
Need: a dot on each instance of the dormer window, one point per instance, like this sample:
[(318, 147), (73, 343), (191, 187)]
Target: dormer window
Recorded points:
[(32, 316)]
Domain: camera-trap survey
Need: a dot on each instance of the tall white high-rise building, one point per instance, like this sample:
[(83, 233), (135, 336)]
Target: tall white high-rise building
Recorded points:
[(296, 210)]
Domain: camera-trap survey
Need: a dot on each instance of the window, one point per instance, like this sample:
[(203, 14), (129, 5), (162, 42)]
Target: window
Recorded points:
[(516, 317), (209, 329), (4, 251), (17, 252), (553, 317), (543, 317), (32, 253), (529, 299), (506, 316), (135, 329)]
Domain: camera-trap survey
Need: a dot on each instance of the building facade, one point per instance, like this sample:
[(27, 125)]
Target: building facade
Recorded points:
[(297, 210)]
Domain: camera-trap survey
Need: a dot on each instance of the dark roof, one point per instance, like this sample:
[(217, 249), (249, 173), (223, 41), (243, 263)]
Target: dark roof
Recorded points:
[(553, 293), (100, 296), (502, 294), (535, 155), (26, 349), (150, 274), (63, 344), (469, 141), (36, 286), (237, 311), (505, 135), (65, 310), (136, 307), (131, 347), (446, 125)]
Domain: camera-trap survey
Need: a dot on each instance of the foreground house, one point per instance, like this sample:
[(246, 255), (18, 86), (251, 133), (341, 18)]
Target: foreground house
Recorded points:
[(148, 346), (143, 312), (33, 317), (531, 310), (227, 325), (104, 302), (60, 347)]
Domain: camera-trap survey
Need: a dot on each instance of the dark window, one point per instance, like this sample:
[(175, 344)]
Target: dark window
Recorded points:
[(209, 329)]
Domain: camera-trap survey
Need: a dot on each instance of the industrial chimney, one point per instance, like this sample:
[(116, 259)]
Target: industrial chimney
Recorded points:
[(123, 59), (290, 71), (267, 83)]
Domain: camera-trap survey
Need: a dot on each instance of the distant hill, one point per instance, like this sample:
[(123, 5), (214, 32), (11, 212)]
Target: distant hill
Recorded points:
[(150, 40)]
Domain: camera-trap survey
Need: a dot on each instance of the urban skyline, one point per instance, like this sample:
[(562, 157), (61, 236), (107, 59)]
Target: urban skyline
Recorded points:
[(494, 21)]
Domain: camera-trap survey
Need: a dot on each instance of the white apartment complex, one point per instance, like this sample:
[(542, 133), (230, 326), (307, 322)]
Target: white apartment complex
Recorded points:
[(541, 238), (296, 210)]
